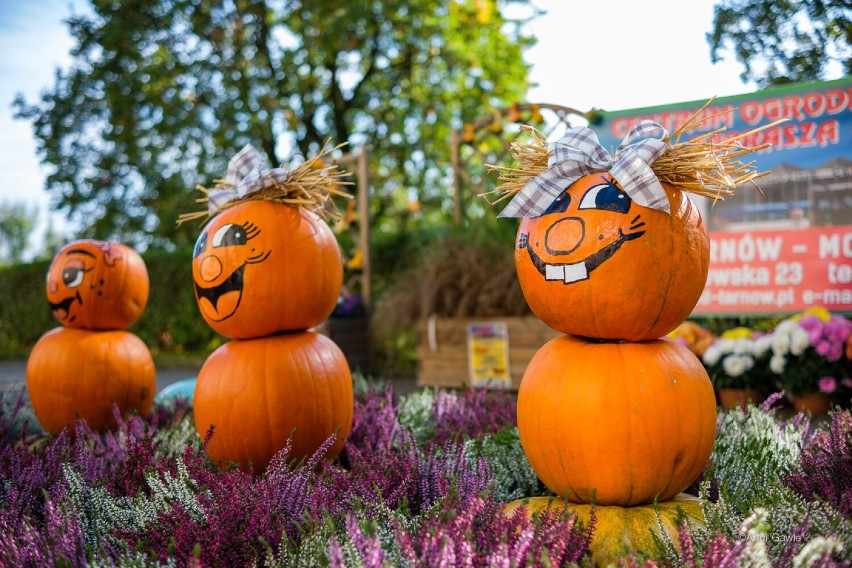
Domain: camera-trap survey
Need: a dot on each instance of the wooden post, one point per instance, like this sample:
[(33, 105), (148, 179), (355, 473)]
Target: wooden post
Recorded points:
[(364, 228), (458, 203)]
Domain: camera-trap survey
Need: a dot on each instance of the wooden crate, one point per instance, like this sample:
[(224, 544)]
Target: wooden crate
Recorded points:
[(443, 359)]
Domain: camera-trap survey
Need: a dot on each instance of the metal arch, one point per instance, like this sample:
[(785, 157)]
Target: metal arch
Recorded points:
[(460, 165)]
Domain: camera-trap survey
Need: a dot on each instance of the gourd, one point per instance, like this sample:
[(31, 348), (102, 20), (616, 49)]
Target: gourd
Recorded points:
[(262, 267), (97, 285), (600, 265), (256, 393), (620, 423), (76, 372), (620, 531)]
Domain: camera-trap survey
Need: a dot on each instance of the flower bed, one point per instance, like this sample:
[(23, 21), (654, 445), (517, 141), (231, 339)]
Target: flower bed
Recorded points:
[(423, 481), (807, 353)]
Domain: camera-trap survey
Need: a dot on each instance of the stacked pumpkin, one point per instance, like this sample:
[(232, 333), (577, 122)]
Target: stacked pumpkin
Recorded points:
[(266, 269), (96, 290), (611, 252)]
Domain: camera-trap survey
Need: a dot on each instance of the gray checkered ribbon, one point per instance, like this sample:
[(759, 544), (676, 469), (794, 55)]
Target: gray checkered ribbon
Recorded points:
[(579, 153), (248, 172)]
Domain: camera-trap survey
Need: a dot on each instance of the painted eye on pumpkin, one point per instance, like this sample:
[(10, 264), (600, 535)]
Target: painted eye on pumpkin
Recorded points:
[(234, 235), (73, 273), (606, 196), (560, 205), (200, 244)]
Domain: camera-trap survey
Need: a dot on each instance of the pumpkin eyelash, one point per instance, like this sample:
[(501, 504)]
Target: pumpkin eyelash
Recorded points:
[(251, 230), (636, 226)]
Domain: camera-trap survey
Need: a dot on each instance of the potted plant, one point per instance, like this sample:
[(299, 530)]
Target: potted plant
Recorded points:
[(809, 358), (737, 362)]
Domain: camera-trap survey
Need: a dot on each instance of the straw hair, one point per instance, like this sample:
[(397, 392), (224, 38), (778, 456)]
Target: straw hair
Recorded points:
[(697, 165), (312, 184)]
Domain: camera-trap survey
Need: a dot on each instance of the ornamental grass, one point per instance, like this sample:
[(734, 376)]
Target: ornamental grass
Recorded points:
[(422, 481), (704, 164)]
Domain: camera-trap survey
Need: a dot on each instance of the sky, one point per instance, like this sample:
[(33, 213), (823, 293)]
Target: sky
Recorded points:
[(606, 54)]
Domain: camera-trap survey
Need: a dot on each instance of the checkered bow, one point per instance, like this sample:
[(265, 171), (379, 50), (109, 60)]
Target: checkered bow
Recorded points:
[(579, 153), (248, 172)]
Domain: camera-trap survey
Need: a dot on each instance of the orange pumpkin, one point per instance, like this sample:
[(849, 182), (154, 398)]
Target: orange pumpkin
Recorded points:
[(97, 285), (599, 265), (255, 393), (261, 267), (73, 372), (627, 422)]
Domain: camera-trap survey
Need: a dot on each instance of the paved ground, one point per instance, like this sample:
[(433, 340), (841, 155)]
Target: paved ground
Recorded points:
[(13, 375)]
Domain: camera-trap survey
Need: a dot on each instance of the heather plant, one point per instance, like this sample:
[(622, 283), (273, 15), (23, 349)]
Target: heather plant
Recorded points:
[(512, 474), (754, 450), (54, 540), (415, 413), (422, 480), (434, 416), (824, 470), (480, 534), (17, 419), (756, 543)]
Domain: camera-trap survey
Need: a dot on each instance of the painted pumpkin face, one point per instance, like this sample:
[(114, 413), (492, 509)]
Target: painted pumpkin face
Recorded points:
[(262, 267), (97, 285), (596, 264)]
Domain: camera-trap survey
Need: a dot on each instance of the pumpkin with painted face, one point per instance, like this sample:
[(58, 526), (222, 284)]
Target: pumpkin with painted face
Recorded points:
[(97, 285), (261, 267), (599, 265)]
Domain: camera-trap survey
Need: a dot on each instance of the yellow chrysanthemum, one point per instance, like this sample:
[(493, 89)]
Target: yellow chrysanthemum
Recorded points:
[(737, 333), (817, 311)]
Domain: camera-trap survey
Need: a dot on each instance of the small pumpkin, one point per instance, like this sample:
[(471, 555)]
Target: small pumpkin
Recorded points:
[(599, 265), (261, 267), (77, 372), (627, 422), (97, 285), (255, 393), (621, 531)]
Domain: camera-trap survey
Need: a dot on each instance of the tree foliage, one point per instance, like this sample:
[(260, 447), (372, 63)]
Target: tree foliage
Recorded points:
[(783, 41), (161, 93), (17, 222)]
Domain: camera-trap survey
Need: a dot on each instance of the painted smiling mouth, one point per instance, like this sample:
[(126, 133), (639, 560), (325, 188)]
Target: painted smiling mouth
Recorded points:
[(569, 272), (234, 283), (62, 309)]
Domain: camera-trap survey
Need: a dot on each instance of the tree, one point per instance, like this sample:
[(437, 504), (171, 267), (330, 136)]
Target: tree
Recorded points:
[(161, 93), (783, 41), (17, 222)]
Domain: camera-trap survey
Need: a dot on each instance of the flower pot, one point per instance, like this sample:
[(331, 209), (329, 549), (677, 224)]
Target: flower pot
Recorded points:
[(813, 402), (738, 398)]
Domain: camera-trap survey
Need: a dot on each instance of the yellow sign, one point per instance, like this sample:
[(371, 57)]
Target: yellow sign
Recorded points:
[(488, 354)]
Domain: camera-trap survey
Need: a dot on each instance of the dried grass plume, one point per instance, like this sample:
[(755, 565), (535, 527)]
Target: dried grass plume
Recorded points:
[(698, 165), (312, 184)]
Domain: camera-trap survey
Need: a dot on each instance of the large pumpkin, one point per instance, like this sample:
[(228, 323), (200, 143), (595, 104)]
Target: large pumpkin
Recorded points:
[(621, 423), (255, 393), (261, 267), (73, 372), (622, 531), (599, 265), (97, 285)]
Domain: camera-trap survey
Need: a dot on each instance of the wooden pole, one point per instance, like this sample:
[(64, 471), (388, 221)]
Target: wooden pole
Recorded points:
[(458, 204), (364, 228)]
